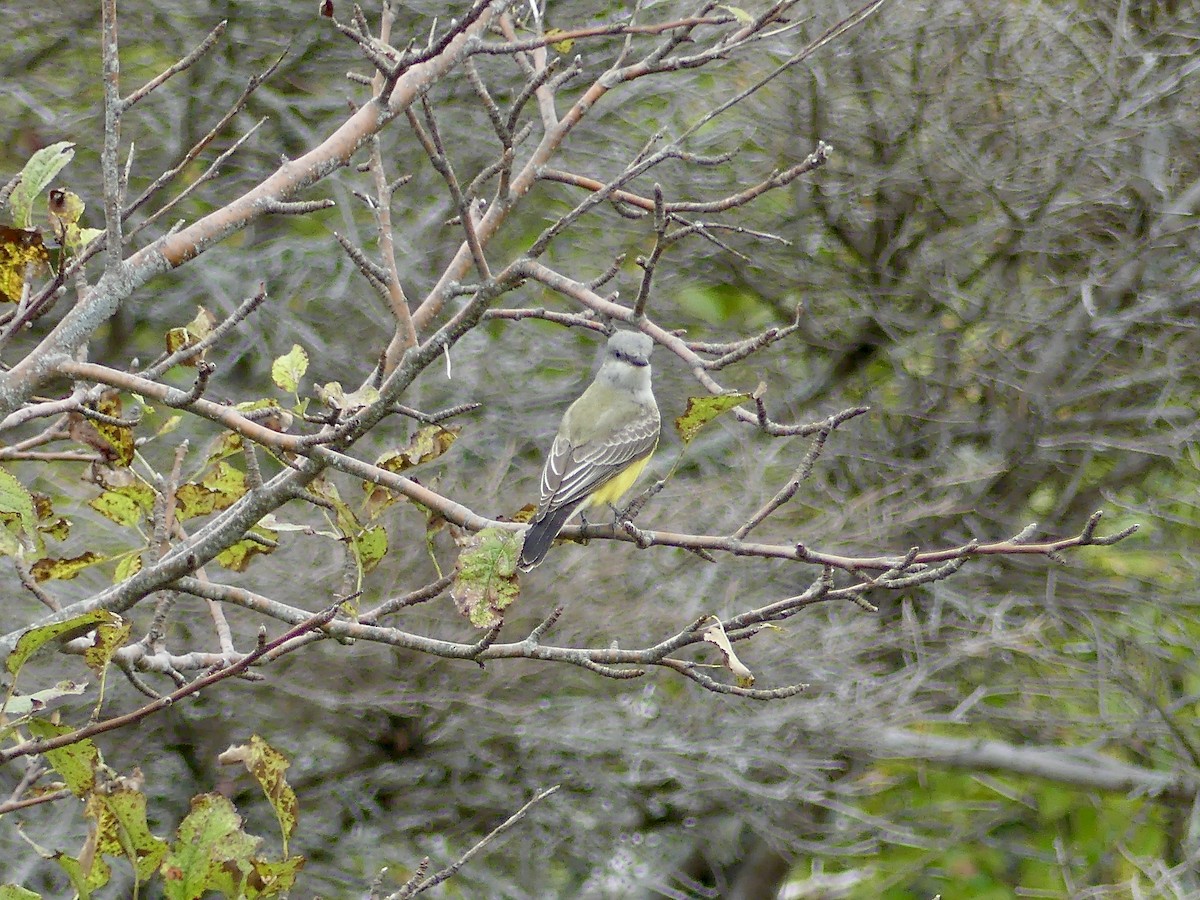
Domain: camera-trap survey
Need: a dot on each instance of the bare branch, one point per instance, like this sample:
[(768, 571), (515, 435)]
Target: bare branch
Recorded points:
[(438, 877), (112, 134), (245, 308), (252, 85), (188, 61), (41, 745)]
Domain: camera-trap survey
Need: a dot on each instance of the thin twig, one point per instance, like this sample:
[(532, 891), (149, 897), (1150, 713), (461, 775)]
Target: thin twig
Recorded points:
[(450, 870), (420, 595), (41, 745), (170, 174), (245, 308), (207, 175), (203, 47), (15, 805)]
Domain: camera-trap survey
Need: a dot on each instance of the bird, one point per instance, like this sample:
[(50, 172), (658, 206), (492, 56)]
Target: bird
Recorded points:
[(604, 442)]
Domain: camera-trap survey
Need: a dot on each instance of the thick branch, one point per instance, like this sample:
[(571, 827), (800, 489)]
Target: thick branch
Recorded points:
[(1081, 768)]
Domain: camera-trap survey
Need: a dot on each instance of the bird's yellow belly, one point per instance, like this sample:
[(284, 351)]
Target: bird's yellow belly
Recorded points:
[(615, 489)]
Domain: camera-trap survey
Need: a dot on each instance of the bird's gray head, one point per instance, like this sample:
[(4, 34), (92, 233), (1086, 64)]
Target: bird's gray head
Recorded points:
[(627, 363), (630, 347)]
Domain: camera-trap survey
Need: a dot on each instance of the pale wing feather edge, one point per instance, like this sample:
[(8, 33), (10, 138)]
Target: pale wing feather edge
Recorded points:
[(573, 473), (553, 471)]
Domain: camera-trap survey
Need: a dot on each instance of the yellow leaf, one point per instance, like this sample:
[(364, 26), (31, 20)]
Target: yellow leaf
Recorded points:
[(430, 442), (18, 250), (563, 46), (114, 442), (107, 640), (192, 333)]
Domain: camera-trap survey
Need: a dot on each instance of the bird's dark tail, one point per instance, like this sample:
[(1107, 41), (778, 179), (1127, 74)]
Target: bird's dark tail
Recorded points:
[(541, 535)]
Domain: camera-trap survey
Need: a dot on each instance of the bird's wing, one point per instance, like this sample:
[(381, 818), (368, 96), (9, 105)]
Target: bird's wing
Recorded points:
[(573, 472)]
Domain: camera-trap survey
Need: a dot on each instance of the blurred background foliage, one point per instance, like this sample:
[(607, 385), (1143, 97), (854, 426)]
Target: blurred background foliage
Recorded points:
[(1000, 259)]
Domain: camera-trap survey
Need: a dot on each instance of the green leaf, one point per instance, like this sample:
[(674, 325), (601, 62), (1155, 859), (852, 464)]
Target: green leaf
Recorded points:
[(16, 892), (226, 445), (192, 500), (17, 511), (268, 767), (563, 46), (35, 178), (273, 878), (122, 830), (347, 522), (485, 583), (8, 544), (125, 505), (225, 480), (85, 881), (210, 852), (130, 565), (87, 235), (702, 410), (26, 704), (288, 369), (49, 567), (33, 640), (76, 763), (370, 547)]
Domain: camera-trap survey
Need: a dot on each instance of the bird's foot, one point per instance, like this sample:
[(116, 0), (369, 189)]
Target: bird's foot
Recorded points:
[(623, 519), (626, 513)]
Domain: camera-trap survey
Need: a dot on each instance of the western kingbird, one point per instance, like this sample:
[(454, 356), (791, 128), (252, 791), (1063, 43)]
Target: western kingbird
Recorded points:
[(604, 442)]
